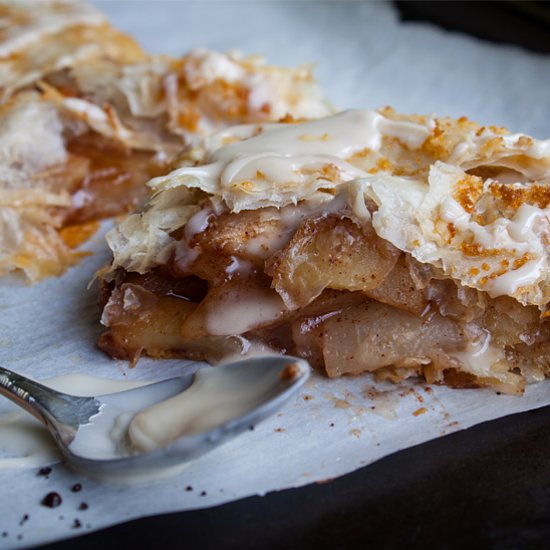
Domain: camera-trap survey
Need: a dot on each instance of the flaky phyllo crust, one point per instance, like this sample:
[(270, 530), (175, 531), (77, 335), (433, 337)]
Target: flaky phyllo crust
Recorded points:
[(87, 117), (364, 241)]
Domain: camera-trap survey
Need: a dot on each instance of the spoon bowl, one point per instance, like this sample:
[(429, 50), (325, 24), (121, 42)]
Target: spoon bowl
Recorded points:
[(155, 430)]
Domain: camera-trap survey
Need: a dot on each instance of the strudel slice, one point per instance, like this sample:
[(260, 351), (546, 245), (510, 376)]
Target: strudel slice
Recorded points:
[(363, 241), (87, 117)]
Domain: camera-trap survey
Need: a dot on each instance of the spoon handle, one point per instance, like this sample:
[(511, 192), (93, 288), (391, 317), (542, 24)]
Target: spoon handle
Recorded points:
[(57, 410), (23, 392)]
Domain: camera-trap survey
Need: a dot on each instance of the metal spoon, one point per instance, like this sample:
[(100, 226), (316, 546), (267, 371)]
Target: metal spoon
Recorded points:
[(274, 379)]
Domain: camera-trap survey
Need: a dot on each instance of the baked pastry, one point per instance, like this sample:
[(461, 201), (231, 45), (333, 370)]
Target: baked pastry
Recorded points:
[(86, 118), (364, 241)]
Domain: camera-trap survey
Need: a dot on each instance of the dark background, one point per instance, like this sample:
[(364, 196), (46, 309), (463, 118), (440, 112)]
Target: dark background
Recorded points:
[(523, 22), (487, 487)]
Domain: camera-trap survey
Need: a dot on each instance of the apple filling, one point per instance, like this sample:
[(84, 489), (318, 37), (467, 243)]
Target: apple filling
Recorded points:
[(324, 287)]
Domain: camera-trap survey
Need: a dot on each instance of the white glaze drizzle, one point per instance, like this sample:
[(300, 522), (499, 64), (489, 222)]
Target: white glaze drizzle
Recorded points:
[(518, 235), (509, 283), (243, 310), (285, 162), (479, 356)]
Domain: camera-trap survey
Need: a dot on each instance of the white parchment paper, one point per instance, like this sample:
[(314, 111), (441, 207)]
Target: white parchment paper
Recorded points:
[(365, 58)]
